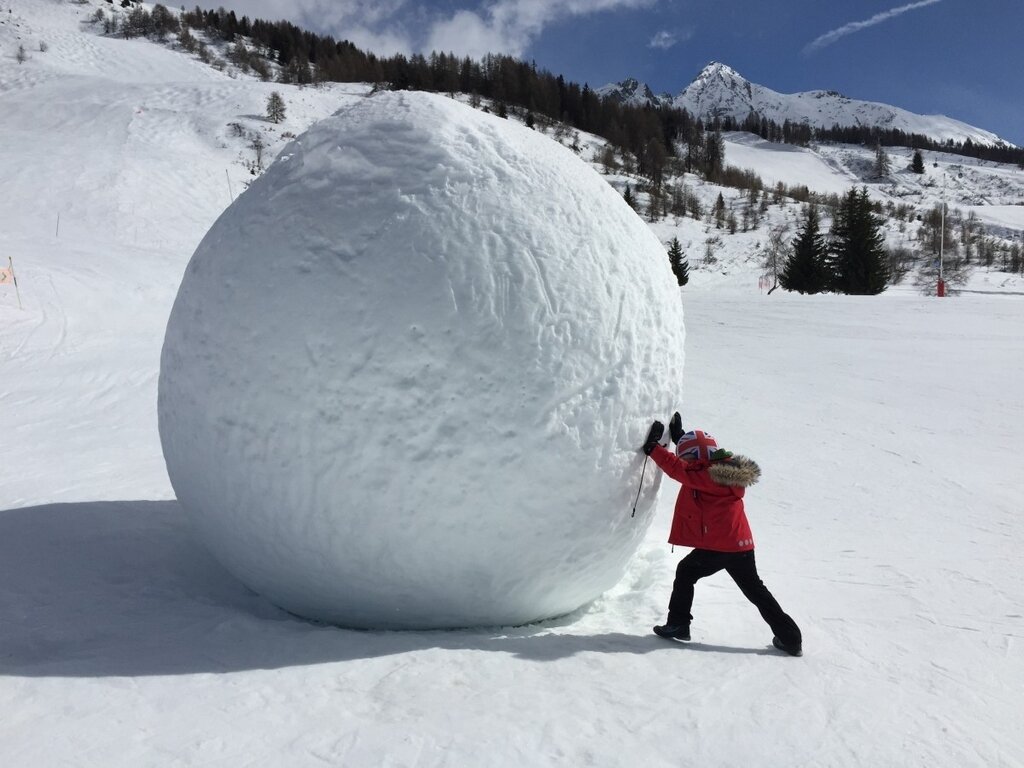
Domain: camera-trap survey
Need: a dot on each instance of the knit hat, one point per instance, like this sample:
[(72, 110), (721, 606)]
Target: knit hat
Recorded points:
[(696, 444)]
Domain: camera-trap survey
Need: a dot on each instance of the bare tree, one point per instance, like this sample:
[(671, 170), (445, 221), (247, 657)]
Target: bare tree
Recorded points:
[(257, 145), (775, 253), (607, 158), (21, 56)]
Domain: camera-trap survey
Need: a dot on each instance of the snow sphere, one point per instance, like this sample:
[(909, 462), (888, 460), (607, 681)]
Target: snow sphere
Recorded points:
[(407, 373)]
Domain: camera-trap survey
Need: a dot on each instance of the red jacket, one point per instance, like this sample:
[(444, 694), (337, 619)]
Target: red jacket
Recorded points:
[(709, 509)]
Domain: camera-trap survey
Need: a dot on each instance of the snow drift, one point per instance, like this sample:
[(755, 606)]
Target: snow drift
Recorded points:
[(407, 372)]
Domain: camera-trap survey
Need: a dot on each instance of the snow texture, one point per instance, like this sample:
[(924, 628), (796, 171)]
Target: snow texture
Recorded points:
[(407, 372)]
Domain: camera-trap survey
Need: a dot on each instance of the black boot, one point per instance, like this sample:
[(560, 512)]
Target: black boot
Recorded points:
[(673, 631), (792, 650)]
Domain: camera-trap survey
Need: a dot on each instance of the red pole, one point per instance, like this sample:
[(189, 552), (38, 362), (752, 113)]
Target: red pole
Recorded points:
[(942, 288)]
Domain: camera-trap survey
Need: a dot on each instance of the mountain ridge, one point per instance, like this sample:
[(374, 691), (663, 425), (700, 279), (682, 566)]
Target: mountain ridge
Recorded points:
[(719, 91)]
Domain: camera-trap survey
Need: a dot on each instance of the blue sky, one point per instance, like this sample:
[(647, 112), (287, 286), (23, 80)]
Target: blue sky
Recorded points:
[(961, 58)]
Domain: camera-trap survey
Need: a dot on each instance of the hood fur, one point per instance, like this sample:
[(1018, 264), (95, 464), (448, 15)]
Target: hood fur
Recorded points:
[(737, 471)]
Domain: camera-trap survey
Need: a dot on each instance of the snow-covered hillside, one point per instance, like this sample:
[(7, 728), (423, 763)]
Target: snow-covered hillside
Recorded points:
[(887, 519), (719, 91)]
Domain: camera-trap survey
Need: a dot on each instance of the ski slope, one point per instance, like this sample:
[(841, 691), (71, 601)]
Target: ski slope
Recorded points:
[(888, 520)]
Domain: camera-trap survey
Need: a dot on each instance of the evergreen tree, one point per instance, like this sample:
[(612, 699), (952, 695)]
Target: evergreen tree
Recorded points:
[(275, 107), (608, 160), (917, 164), (805, 269), (858, 264), (713, 156), (680, 264), (719, 211), (628, 197), (694, 143), (653, 205), (654, 160), (882, 167)]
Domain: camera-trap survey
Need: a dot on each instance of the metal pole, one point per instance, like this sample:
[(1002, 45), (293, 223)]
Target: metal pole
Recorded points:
[(640, 487), (17, 291), (942, 238)]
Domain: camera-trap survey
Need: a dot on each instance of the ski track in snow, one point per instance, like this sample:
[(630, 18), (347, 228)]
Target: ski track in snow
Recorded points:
[(887, 520)]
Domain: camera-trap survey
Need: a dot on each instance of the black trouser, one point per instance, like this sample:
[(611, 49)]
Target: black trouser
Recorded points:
[(741, 567)]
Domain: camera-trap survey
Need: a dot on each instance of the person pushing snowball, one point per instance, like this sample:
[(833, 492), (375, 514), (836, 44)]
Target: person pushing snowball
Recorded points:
[(709, 517)]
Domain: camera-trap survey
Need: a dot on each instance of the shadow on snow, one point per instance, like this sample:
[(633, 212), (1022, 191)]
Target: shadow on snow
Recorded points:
[(122, 589)]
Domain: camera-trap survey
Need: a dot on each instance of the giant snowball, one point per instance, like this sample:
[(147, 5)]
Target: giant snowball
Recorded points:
[(407, 373)]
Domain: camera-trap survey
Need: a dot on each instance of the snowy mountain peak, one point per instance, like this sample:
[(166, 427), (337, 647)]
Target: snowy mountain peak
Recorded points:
[(632, 91), (717, 71), (719, 91)]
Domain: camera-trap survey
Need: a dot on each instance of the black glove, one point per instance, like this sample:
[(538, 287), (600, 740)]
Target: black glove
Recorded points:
[(653, 436), (675, 427)]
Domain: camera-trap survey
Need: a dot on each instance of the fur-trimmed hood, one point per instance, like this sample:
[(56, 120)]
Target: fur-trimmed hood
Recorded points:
[(738, 471)]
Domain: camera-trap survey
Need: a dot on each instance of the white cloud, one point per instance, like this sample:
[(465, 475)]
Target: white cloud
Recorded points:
[(666, 39), (509, 26), (856, 26), (663, 39), (403, 26), (374, 25), (467, 34)]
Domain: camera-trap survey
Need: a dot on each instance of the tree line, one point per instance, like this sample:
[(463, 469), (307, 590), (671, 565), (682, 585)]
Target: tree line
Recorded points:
[(853, 257), (867, 135), (650, 133)]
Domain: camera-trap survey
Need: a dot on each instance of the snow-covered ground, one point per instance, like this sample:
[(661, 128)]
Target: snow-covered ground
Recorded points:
[(887, 522)]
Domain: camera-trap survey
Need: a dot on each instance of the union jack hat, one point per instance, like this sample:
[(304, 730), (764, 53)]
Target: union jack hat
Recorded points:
[(695, 445)]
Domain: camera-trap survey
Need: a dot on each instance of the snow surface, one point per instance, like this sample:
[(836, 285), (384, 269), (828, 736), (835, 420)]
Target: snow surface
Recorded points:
[(788, 163), (888, 520), (407, 372)]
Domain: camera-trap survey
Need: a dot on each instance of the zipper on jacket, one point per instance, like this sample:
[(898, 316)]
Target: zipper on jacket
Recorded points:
[(696, 499)]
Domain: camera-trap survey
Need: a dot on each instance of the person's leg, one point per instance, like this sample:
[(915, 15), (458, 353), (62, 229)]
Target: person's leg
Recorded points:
[(743, 570), (695, 566)]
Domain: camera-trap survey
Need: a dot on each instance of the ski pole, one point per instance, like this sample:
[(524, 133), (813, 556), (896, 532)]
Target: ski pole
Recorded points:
[(637, 499)]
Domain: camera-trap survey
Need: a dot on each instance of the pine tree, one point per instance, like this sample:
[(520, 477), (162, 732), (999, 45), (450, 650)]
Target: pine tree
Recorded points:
[(805, 269), (882, 167), (653, 205), (275, 107), (917, 164), (719, 211), (858, 264), (628, 197), (713, 155), (608, 160), (680, 264), (655, 157)]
